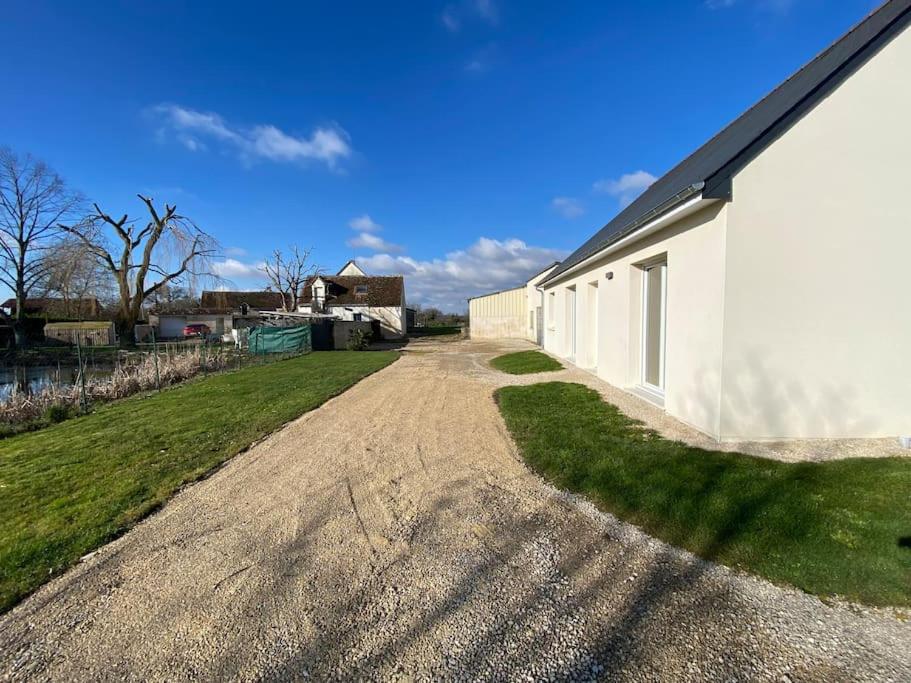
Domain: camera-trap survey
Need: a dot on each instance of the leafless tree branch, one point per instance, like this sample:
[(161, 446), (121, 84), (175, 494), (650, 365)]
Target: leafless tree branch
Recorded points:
[(33, 201), (170, 247), (287, 274)]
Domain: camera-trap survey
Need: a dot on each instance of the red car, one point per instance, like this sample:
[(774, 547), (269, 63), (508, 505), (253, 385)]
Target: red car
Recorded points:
[(197, 330)]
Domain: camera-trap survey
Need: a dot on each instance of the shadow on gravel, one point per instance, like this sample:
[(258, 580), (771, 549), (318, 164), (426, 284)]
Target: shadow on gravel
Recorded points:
[(630, 606)]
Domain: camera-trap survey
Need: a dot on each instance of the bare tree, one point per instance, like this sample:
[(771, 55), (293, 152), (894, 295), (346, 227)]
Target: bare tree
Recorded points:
[(287, 274), (33, 200), (172, 297), (168, 248), (74, 273)]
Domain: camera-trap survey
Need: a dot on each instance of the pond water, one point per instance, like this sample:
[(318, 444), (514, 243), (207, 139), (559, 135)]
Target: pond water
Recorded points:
[(34, 378)]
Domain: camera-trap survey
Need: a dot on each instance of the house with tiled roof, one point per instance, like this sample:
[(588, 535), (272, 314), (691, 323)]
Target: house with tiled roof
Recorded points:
[(234, 301), (353, 295)]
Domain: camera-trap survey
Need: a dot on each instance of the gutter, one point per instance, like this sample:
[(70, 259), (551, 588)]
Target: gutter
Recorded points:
[(665, 206)]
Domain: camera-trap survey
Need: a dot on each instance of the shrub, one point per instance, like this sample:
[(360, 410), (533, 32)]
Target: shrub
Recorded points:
[(57, 412), (358, 340)]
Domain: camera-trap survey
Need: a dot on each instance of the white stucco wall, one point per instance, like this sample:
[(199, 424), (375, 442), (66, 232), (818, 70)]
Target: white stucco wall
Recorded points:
[(817, 327), (534, 299), (609, 315), (171, 326)]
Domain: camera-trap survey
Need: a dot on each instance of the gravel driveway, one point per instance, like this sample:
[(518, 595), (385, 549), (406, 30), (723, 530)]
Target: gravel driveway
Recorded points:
[(395, 533)]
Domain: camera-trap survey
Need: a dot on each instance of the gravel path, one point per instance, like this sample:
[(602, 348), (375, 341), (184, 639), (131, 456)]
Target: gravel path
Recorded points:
[(394, 533)]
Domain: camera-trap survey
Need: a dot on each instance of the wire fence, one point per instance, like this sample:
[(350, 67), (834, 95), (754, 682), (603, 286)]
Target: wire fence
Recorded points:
[(101, 374)]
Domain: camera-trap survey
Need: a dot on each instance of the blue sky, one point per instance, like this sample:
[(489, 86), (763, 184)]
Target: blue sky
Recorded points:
[(464, 143)]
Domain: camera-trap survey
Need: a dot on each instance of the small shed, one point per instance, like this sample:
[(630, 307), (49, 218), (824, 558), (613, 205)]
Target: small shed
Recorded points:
[(87, 333)]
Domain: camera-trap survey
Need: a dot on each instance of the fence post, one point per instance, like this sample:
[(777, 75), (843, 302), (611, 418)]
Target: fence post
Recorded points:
[(155, 357), (205, 358), (83, 404)]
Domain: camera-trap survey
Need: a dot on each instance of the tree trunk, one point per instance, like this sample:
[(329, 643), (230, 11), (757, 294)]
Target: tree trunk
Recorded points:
[(19, 330), (126, 331)]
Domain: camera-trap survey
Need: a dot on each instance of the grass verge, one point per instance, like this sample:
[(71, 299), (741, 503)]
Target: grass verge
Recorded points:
[(72, 487), (525, 362), (436, 331), (835, 528)]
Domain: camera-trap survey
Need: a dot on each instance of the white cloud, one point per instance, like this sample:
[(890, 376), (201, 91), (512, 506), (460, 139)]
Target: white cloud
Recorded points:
[(373, 242), (627, 187), (261, 142), (364, 223), (235, 251), (232, 268), (487, 265), (450, 18), (568, 207), (454, 15)]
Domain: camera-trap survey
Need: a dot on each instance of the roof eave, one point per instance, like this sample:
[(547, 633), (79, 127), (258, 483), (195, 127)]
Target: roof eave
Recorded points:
[(682, 204)]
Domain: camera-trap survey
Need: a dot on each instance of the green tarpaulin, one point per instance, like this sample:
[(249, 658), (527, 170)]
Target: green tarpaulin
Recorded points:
[(280, 340)]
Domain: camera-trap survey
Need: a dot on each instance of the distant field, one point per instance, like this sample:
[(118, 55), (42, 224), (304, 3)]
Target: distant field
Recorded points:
[(434, 331)]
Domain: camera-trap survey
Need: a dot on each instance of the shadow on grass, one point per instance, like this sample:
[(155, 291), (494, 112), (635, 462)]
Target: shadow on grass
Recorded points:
[(828, 528)]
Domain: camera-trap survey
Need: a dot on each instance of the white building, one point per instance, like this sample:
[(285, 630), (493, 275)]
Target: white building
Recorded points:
[(510, 314), (355, 296), (760, 289), (220, 311)]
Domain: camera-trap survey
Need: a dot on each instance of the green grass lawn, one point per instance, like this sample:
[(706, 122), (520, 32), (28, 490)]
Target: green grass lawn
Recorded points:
[(834, 528), (69, 488), (434, 331), (525, 362)]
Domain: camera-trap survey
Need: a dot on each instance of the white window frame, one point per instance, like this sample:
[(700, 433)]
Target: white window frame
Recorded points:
[(662, 333), (572, 301)]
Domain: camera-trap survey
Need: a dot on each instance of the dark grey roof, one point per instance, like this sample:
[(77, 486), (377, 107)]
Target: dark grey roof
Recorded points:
[(711, 167), (543, 270)]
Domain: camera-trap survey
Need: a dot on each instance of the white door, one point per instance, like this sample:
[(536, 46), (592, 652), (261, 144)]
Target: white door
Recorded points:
[(654, 316)]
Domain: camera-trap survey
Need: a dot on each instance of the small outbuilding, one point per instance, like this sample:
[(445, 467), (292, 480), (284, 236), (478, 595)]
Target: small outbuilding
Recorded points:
[(86, 333), (510, 314)]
